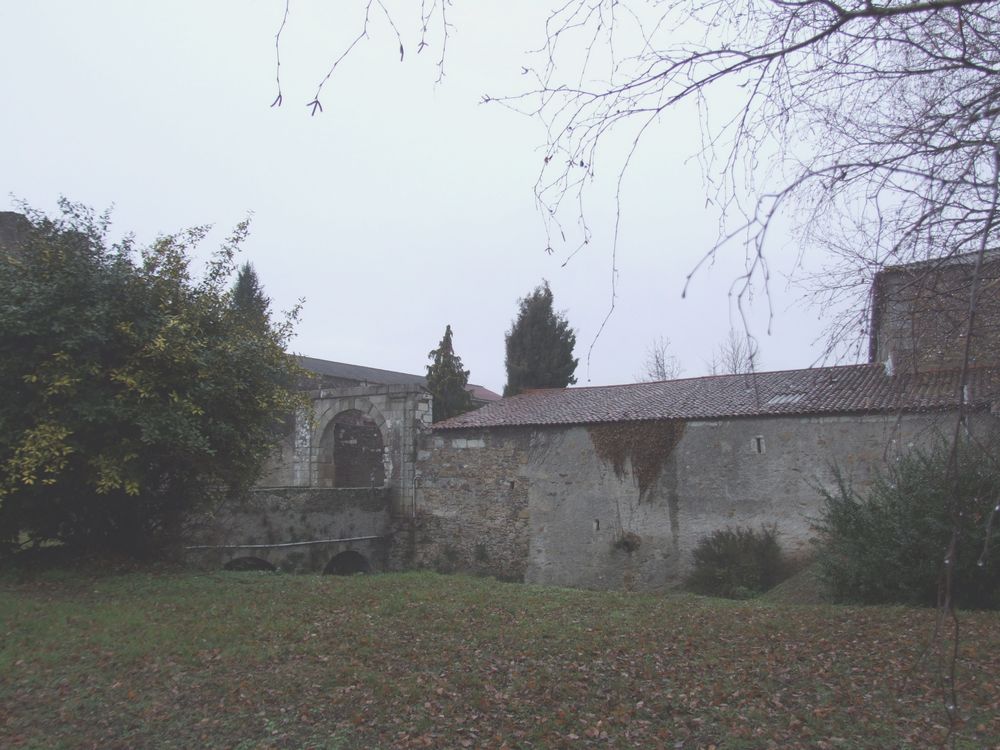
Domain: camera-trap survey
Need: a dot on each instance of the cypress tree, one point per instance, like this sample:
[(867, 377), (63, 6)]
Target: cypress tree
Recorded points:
[(446, 380), (539, 346)]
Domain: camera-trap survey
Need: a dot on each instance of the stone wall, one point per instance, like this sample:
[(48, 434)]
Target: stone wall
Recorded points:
[(920, 316), (294, 529), (539, 504), (470, 506)]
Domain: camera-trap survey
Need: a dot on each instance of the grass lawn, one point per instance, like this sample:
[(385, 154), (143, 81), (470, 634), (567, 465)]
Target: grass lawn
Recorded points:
[(261, 660)]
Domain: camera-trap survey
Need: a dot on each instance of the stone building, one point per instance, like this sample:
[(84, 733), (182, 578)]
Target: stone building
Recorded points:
[(360, 432), (613, 486), (607, 487), (920, 314), (342, 468)]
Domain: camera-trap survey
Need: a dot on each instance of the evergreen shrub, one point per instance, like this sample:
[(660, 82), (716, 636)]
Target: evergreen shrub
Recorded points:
[(891, 545), (737, 563)]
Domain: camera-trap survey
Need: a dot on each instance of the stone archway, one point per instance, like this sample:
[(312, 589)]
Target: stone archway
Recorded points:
[(351, 452), (347, 563)]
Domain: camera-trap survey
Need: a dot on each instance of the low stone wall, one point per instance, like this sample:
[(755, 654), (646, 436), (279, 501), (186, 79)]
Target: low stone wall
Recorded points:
[(294, 529)]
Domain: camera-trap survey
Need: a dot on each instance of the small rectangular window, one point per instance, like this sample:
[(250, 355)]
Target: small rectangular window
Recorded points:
[(758, 444)]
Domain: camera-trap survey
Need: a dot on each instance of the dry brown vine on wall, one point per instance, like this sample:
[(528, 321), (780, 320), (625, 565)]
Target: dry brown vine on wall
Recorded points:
[(647, 445)]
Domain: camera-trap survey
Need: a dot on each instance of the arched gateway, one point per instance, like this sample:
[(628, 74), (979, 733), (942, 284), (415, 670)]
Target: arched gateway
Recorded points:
[(351, 452)]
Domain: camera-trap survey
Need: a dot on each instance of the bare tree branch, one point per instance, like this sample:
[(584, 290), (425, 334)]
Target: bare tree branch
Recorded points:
[(429, 10), (870, 125)]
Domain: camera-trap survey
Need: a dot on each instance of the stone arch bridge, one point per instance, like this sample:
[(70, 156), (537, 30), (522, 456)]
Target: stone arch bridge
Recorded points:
[(330, 530)]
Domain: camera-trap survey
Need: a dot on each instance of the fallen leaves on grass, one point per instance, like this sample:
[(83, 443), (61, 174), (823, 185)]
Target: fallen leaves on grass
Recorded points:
[(415, 661)]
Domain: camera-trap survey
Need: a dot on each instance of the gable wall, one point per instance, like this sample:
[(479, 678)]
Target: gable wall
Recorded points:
[(538, 504)]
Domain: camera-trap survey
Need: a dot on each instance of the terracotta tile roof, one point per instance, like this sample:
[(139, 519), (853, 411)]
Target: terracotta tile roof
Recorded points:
[(482, 393), (825, 390)]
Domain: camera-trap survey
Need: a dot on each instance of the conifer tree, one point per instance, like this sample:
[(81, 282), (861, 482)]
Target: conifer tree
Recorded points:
[(446, 380), (539, 346), (249, 299)]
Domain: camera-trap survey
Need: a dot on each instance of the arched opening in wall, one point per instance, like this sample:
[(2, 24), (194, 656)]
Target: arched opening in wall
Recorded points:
[(347, 564), (350, 452), (249, 563)]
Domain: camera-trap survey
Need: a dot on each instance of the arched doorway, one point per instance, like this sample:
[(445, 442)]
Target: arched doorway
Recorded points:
[(350, 452), (347, 563)]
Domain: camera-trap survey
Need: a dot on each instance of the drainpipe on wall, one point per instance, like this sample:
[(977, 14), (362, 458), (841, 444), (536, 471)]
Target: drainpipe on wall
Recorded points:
[(416, 483)]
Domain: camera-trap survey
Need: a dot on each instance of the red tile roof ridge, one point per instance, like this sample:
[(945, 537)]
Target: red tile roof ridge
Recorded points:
[(840, 389), (861, 365)]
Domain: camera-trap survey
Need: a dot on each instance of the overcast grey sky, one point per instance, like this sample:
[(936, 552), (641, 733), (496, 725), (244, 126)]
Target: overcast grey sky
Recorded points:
[(404, 207)]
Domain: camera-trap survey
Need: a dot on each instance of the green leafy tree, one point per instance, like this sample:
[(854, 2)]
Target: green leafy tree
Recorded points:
[(133, 392), (446, 380), (539, 346)]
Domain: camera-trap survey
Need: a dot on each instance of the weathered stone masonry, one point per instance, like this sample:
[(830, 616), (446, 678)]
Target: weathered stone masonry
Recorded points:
[(329, 491), (920, 315), (396, 412), (611, 486), (574, 487), (538, 504), (470, 509), (295, 529)]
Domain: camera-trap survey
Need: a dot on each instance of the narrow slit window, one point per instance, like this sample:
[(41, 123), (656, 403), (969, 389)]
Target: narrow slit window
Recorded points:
[(758, 444)]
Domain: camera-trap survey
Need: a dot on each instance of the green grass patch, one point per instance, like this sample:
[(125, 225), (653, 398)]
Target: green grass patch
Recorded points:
[(804, 587), (257, 660)]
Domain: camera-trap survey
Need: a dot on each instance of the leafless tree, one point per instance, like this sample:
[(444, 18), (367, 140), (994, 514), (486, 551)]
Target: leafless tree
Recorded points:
[(871, 127), (659, 364), (736, 355)]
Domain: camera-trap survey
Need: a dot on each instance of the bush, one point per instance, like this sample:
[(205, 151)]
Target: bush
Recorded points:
[(890, 546), (737, 563), (132, 392)]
